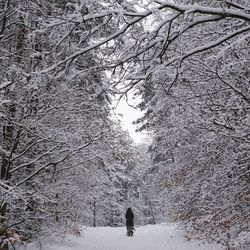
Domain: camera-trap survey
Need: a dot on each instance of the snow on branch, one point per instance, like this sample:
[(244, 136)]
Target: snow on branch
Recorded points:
[(215, 14), (94, 139), (5, 84), (68, 154), (225, 12), (95, 45), (26, 150), (35, 160), (215, 43)]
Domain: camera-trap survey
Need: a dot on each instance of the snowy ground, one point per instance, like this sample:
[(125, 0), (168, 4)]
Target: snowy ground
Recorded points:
[(151, 237)]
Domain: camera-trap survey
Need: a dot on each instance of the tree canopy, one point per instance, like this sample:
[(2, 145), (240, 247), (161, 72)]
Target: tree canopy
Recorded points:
[(61, 61)]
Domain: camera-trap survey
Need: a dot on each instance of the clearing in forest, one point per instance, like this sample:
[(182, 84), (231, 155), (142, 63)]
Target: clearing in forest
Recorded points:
[(150, 237)]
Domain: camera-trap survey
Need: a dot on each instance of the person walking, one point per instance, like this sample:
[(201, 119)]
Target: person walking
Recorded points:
[(130, 222)]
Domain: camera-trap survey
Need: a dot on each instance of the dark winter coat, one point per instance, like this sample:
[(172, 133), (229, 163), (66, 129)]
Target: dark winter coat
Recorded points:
[(129, 218)]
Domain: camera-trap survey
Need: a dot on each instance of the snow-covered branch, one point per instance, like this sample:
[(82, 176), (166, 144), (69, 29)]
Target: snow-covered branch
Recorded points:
[(224, 12), (35, 160)]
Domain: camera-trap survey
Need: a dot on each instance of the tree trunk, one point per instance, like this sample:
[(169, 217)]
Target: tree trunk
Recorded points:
[(94, 213), (152, 212)]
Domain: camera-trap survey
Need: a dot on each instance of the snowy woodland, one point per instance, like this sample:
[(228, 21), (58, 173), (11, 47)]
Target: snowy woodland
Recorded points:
[(65, 162)]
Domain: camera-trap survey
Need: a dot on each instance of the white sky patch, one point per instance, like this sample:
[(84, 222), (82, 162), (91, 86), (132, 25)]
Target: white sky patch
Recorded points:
[(127, 115)]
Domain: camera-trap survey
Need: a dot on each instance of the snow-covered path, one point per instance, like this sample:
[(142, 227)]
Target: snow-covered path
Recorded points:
[(151, 237)]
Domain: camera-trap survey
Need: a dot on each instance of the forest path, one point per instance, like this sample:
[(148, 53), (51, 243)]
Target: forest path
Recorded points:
[(150, 237)]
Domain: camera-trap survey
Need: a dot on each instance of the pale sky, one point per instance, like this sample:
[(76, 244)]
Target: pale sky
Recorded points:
[(130, 114)]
